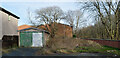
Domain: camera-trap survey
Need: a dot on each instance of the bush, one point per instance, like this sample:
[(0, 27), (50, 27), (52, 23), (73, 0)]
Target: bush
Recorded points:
[(74, 36), (70, 44)]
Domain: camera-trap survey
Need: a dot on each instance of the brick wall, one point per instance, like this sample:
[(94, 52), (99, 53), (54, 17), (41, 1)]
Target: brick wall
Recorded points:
[(63, 30), (112, 43)]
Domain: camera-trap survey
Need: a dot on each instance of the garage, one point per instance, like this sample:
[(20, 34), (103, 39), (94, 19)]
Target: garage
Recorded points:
[(32, 37)]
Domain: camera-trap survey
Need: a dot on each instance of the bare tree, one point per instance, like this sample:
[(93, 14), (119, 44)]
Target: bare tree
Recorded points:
[(30, 17), (49, 16), (106, 11), (74, 18), (69, 17)]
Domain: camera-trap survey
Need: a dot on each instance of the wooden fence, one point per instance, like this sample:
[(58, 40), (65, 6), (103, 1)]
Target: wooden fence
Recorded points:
[(9, 41)]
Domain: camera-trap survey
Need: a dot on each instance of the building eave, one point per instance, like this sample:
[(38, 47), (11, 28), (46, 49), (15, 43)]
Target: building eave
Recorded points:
[(9, 13)]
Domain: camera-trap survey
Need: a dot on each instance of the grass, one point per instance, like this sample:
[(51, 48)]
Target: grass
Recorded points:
[(112, 50), (7, 50), (104, 49)]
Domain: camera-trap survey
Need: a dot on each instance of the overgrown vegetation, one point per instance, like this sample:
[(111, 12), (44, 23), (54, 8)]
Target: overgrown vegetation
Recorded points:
[(104, 49), (8, 49), (68, 46)]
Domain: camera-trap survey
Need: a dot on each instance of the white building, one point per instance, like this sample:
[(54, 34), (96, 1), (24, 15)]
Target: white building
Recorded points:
[(8, 23)]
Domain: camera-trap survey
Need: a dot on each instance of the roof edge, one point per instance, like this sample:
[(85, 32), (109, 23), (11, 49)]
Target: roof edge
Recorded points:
[(2, 9), (33, 28)]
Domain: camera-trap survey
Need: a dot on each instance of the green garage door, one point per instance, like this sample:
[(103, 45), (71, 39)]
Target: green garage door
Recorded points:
[(26, 39)]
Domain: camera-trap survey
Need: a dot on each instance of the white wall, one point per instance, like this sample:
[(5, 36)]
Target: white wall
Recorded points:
[(0, 25), (9, 27)]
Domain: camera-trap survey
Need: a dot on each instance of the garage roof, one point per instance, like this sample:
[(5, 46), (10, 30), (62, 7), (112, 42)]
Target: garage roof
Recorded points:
[(24, 27), (34, 29)]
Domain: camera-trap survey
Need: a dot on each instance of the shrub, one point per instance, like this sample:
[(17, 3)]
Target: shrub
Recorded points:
[(70, 44), (74, 36)]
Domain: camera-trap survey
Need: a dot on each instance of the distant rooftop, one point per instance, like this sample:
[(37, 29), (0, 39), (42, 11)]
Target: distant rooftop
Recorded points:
[(24, 27)]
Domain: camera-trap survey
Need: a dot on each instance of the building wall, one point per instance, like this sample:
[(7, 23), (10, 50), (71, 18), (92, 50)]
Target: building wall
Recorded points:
[(9, 25), (46, 38), (64, 31), (1, 25)]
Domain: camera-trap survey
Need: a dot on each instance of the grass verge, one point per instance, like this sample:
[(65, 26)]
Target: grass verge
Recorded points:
[(104, 49), (7, 50)]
